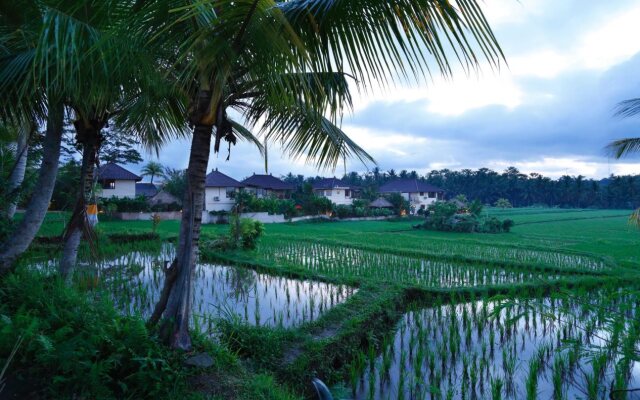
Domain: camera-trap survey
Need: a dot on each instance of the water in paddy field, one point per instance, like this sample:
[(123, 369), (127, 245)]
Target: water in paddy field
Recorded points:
[(530, 350), (224, 291)]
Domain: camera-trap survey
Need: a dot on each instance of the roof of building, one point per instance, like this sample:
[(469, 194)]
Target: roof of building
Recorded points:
[(267, 182), (116, 172), (163, 197), (331, 183), (380, 202), (408, 186), (218, 179), (146, 189)]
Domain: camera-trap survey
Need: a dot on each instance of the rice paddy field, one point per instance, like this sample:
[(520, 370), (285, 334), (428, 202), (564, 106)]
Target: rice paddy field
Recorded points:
[(379, 310)]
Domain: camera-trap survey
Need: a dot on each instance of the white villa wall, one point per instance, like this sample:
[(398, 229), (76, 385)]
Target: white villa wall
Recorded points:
[(420, 199), (223, 202), (121, 189), (337, 196)]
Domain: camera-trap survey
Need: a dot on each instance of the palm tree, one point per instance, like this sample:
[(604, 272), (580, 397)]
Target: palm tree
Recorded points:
[(152, 169), (20, 134), (27, 97), (624, 147), (128, 82), (279, 64)]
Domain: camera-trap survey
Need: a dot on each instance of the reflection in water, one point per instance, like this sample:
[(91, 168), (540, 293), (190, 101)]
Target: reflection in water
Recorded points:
[(529, 351), (222, 291)]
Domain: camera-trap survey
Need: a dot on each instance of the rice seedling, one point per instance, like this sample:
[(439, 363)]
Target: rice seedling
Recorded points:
[(528, 339)]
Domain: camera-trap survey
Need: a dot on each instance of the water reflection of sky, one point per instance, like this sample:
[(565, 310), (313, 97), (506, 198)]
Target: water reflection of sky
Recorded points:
[(427, 333), (223, 291)]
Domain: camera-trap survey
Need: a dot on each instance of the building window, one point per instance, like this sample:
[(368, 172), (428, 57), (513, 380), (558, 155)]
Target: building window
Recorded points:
[(421, 193), (432, 195), (327, 193), (108, 184), (231, 193), (347, 193)]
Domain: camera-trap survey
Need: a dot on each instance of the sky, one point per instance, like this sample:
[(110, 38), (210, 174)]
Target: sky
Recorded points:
[(550, 110)]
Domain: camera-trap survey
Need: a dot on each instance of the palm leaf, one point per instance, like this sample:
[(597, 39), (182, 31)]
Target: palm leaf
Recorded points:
[(623, 147)]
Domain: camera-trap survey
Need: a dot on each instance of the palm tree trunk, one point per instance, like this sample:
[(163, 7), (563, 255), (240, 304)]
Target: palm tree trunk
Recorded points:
[(176, 316), (36, 210), (17, 174), (90, 139)]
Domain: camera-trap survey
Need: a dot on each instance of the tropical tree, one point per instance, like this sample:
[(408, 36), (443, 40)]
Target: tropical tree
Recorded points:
[(20, 134), (281, 66), (152, 169), (31, 92), (623, 147)]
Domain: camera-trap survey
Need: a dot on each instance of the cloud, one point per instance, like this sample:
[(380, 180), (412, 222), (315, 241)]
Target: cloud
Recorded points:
[(550, 111)]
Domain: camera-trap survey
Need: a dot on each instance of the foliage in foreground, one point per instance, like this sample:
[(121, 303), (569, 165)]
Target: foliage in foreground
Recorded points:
[(77, 345)]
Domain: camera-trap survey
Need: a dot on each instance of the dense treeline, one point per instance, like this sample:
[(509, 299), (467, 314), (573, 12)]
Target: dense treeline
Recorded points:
[(520, 189)]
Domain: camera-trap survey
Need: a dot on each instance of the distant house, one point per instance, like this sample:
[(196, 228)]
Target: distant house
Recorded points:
[(163, 198), (219, 191), (267, 186), (146, 189), (336, 190), (116, 181), (380, 202), (418, 194)]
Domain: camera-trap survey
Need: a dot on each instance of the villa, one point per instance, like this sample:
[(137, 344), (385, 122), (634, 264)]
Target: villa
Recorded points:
[(336, 190), (220, 191), (418, 194), (116, 181), (267, 186)]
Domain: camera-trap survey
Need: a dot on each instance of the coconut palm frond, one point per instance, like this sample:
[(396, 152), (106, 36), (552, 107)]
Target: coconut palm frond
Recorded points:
[(304, 132), (383, 41), (628, 108), (623, 147), (243, 133)]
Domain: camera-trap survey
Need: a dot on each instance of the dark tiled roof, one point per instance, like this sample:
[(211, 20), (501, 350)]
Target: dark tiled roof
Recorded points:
[(218, 179), (381, 203), (408, 186), (114, 171), (146, 189), (330, 183), (267, 182)]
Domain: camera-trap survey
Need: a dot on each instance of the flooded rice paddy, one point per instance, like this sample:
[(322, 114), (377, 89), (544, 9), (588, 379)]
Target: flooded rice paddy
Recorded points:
[(348, 262), (222, 291), (516, 349)]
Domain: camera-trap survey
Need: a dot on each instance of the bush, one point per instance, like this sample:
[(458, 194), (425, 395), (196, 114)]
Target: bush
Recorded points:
[(503, 203), (343, 211), (507, 224), (78, 346)]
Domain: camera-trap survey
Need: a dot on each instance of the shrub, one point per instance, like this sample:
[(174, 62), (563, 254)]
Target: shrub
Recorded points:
[(507, 224), (343, 211), (78, 346), (503, 203)]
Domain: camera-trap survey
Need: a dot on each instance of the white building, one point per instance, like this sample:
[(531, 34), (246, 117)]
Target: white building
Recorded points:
[(418, 194), (336, 190), (116, 181), (220, 191)]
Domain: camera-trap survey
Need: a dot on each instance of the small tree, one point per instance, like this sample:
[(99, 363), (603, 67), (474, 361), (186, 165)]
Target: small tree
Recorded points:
[(400, 204), (503, 203), (152, 169)]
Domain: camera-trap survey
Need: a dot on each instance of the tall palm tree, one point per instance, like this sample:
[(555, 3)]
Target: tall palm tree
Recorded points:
[(281, 65), (28, 97), (129, 81), (152, 169)]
